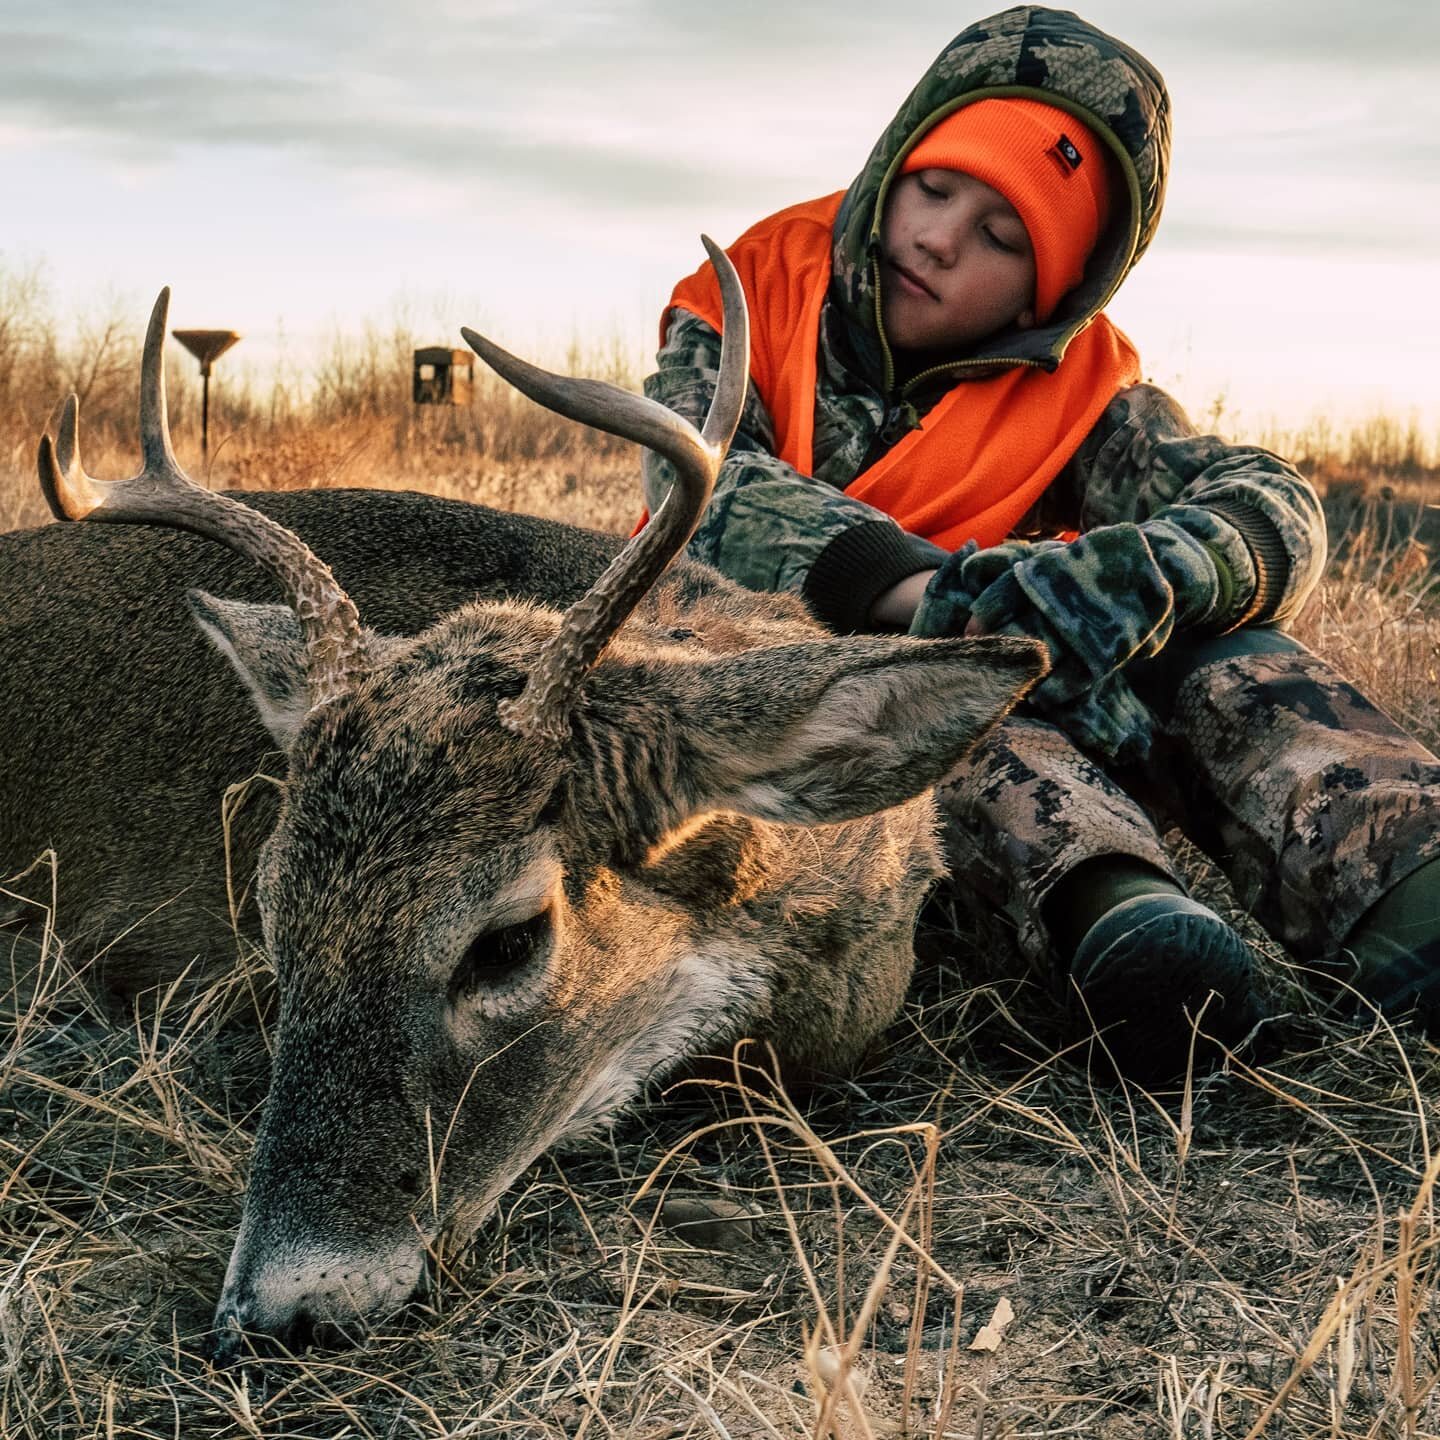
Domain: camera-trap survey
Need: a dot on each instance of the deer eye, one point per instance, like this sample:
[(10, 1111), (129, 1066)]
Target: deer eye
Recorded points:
[(495, 956)]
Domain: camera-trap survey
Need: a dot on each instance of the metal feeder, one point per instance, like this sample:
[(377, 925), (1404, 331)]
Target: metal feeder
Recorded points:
[(207, 346)]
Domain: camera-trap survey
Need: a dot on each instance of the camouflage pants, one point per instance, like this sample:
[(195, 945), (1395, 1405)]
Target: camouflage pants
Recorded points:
[(1311, 799)]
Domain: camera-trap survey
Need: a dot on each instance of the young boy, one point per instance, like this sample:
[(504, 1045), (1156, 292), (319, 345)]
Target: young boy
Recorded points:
[(945, 433)]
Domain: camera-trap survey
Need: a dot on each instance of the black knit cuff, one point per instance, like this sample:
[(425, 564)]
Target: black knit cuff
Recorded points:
[(1263, 539), (858, 566)]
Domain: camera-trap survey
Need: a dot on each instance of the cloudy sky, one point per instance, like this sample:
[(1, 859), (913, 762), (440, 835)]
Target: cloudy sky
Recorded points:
[(542, 171)]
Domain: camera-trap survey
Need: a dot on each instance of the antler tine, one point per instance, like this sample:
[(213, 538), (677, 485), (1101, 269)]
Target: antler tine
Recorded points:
[(53, 468), (154, 411), (68, 490), (728, 402), (162, 494), (591, 622)]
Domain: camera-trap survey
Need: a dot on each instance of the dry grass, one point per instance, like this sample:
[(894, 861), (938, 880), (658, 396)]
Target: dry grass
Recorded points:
[(1255, 1254), (1260, 1248)]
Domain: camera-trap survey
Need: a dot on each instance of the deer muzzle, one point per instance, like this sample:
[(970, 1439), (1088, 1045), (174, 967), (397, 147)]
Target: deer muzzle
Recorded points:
[(289, 1296)]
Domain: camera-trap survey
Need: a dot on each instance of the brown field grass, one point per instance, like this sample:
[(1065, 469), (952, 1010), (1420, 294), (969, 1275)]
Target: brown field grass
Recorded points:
[(1253, 1254)]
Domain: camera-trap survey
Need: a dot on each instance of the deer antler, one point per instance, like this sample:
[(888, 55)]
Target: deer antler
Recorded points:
[(163, 494), (590, 623)]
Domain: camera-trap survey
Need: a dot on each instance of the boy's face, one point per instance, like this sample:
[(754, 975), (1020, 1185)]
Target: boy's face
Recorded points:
[(956, 262)]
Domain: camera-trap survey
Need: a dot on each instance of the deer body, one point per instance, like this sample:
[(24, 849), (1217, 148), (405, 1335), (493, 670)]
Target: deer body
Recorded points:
[(524, 861), (127, 727)]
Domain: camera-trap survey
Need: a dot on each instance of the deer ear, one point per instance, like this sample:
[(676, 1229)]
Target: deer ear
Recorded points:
[(265, 645), (844, 728)]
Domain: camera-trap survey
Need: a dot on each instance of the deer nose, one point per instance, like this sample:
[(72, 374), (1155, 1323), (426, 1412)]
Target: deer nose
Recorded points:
[(286, 1303), (237, 1334), (227, 1338)]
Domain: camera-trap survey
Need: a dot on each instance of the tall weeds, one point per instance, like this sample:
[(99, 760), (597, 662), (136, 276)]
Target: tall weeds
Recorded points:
[(349, 420)]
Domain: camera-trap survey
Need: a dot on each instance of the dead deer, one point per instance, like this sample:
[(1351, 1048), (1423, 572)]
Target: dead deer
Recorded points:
[(528, 859)]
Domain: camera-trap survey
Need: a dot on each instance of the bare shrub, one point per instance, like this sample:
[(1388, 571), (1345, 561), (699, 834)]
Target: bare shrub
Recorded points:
[(350, 423), (1376, 451)]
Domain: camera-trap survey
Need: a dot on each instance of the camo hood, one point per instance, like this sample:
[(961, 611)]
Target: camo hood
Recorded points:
[(1038, 54)]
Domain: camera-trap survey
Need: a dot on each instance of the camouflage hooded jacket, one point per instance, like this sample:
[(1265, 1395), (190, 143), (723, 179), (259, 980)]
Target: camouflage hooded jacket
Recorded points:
[(771, 528)]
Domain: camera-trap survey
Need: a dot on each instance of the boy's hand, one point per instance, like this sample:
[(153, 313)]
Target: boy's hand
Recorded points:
[(947, 606), (894, 609), (1097, 604), (1109, 597)]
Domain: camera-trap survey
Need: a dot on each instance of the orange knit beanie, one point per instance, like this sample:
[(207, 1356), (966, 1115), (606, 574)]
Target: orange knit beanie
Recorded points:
[(1046, 163)]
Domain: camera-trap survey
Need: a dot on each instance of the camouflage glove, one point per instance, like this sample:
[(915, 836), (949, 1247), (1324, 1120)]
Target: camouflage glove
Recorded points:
[(1109, 720), (946, 605), (1110, 597)]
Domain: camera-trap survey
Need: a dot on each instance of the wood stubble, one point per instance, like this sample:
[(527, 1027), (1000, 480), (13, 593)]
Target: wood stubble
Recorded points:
[(1253, 1254)]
